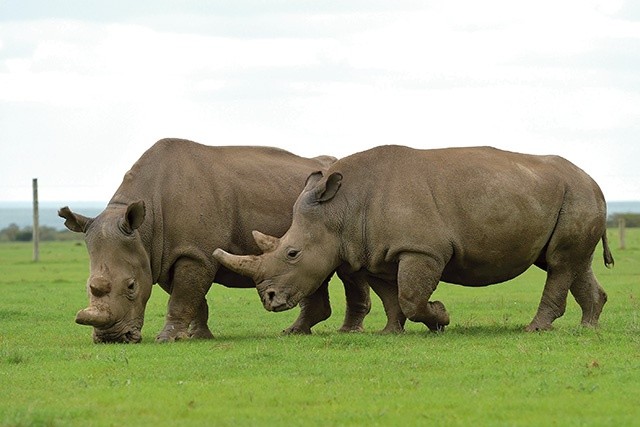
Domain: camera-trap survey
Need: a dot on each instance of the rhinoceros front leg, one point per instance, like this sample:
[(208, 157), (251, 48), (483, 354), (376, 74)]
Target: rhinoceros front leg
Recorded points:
[(356, 290), (357, 287), (313, 309), (388, 294), (418, 277), (199, 329), (189, 286), (316, 307)]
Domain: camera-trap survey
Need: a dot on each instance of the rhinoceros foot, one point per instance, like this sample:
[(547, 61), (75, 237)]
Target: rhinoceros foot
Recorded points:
[(201, 334), (438, 317), (536, 326), (351, 328), (592, 309), (170, 335), (297, 330), (393, 328)]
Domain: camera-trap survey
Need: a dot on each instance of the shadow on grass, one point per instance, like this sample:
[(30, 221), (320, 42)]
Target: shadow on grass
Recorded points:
[(327, 337), (455, 330), (487, 330)]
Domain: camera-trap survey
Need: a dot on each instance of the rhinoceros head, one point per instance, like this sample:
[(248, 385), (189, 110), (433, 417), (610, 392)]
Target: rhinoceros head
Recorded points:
[(120, 280), (295, 265)]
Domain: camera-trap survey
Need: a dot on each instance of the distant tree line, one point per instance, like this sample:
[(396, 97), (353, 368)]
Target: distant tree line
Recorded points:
[(13, 233)]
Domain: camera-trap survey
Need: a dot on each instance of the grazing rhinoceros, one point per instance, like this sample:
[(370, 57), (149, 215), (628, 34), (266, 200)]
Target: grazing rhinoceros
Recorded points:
[(179, 202), (407, 218)]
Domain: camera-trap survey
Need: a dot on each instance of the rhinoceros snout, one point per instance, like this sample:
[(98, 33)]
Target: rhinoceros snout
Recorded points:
[(271, 295), (275, 301)]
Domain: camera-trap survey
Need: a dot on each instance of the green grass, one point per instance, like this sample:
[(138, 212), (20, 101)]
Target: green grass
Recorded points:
[(484, 370)]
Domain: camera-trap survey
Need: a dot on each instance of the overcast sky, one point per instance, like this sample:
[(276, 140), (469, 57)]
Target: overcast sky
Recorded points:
[(87, 86)]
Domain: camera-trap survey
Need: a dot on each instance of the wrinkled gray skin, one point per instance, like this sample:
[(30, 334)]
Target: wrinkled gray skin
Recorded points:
[(179, 202), (406, 219)]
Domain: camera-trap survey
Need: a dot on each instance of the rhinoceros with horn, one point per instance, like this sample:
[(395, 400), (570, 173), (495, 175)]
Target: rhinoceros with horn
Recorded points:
[(408, 219), (179, 202)]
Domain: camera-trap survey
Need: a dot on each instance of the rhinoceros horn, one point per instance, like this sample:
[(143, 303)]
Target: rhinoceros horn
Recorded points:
[(93, 316), (246, 265), (265, 242)]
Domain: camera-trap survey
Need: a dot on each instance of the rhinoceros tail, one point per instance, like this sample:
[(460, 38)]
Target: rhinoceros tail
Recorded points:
[(606, 252)]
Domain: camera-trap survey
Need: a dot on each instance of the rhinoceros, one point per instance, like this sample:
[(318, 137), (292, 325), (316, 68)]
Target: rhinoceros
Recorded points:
[(407, 219), (179, 202)]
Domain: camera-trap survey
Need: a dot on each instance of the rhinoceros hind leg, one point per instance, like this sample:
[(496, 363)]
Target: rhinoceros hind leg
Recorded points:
[(568, 258), (554, 296), (590, 296)]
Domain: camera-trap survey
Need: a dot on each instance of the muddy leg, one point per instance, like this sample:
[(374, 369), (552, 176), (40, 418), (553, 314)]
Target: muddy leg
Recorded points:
[(590, 296), (313, 309), (190, 285), (388, 294), (418, 277), (199, 328), (554, 298), (356, 290)]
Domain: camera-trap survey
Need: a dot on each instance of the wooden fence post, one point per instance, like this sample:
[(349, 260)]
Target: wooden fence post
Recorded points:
[(36, 222), (621, 229)]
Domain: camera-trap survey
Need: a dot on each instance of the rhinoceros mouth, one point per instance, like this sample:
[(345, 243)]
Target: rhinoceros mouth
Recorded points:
[(128, 336), (281, 307)]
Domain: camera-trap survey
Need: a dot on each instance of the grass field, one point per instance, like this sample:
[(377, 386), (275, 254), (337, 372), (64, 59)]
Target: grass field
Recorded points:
[(484, 370)]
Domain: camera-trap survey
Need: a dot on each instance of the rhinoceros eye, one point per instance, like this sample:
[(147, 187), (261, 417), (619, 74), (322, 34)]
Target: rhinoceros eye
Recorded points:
[(131, 288), (292, 253)]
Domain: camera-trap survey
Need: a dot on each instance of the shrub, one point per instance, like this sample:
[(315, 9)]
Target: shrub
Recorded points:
[(631, 219), (24, 235), (9, 234), (13, 233)]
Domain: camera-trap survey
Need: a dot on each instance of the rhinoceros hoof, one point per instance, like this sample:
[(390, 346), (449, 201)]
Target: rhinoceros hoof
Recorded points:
[(392, 329), (164, 336), (297, 330), (201, 335), (435, 327), (161, 338), (439, 316), (348, 329), (537, 327)]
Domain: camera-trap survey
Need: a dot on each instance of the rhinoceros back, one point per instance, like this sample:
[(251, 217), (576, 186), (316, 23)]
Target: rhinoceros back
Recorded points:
[(200, 197)]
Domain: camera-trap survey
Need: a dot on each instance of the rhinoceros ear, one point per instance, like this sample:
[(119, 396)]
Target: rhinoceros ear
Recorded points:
[(133, 217), (73, 221), (312, 180), (327, 188), (326, 161)]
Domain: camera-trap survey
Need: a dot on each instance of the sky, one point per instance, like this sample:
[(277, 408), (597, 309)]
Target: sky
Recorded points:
[(87, 86)]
